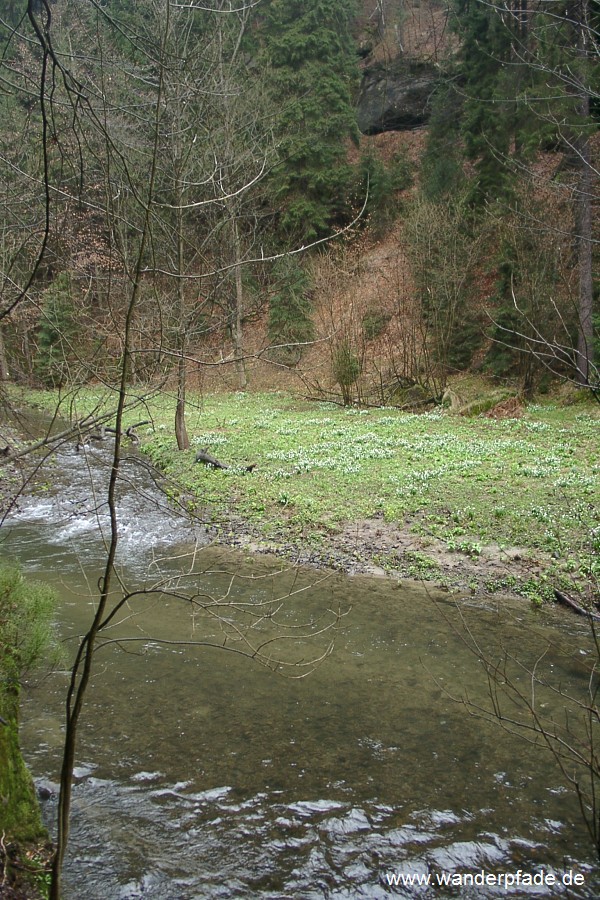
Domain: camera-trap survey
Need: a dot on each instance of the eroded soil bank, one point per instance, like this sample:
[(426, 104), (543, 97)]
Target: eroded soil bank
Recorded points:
[(382, 549)]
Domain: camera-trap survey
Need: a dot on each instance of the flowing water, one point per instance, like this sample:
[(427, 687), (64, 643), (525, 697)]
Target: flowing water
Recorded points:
[(201, 774)]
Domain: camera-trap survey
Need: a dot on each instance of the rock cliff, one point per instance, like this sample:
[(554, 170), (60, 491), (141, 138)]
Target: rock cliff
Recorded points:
[(396, 96)]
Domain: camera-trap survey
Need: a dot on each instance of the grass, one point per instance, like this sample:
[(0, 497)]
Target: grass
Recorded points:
[(531, 482)]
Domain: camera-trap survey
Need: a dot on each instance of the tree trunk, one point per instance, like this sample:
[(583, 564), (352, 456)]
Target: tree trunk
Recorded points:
[(585, 337), (237, 327), (521, 14), (180, 157), (4, 373), (27, 357), (183, 441)]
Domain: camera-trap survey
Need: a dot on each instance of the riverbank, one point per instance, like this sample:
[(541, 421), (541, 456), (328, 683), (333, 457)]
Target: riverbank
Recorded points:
[(11, 478), (484, 504), (381, 549), (504, 502)]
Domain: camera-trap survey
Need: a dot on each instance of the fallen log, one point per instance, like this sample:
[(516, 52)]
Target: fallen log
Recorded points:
[(76, 430), (580, 610), (129, 432), (205, 457)]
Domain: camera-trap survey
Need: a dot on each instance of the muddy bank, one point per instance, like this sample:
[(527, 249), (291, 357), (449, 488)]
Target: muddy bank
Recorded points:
[(382, 549)]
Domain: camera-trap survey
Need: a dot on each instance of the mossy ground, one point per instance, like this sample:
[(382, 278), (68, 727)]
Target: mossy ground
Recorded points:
[(460, 488)]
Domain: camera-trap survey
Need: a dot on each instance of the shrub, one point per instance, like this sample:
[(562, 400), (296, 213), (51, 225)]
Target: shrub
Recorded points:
[(346, 369), (26, 631), (56, 332), (26, 639), (374, 322)]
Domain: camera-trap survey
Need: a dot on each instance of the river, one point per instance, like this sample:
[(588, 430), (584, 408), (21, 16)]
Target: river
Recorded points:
[(202, 774)]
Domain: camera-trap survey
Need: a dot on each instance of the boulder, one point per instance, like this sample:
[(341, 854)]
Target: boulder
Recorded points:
[(396, 96)]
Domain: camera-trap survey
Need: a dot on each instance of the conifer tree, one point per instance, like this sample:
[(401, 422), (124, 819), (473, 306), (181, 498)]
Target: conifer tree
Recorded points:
[(486, 118), (310, 50), (290, 308), (530, 79), (442, 163)]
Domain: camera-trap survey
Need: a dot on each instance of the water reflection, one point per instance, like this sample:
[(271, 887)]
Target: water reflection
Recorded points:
[(204, 775)]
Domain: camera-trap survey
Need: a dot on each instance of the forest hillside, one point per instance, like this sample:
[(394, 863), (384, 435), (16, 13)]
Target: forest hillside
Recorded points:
[(358, 200)]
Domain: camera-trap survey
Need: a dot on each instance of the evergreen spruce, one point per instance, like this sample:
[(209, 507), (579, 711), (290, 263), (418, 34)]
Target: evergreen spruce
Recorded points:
[(290, 322), (488, 107), (441, 167), (314, 64), (382, 183)]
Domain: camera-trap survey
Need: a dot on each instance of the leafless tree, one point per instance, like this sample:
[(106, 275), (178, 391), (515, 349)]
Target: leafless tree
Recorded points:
[(130, 162)]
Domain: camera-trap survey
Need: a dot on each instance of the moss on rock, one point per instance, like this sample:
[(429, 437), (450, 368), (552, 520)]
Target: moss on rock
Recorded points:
[(26, 640), (20, 819)]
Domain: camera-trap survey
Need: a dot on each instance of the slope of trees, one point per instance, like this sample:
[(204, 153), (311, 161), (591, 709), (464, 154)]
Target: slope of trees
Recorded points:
[(525, 82), (255, 127), (247, 142), (309, 47)]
